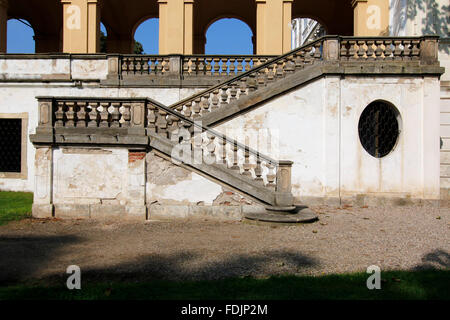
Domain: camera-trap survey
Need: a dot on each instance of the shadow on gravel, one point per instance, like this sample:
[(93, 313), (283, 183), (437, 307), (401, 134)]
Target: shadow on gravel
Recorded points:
[(22, 257), (27, 259), (436, 259)]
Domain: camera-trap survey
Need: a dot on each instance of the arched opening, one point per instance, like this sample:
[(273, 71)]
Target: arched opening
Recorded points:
[(305, 30), (103, 38), (229, 36), (146, 37), (20, 38)]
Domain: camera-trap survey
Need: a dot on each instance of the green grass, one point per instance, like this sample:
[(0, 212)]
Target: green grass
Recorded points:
[(15, 206), (397, 285)]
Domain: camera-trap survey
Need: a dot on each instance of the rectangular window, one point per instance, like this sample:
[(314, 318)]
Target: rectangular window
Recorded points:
[(13, 143)]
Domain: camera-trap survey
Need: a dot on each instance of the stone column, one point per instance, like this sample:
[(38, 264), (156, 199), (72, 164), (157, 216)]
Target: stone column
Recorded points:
[(136, 202), (43, 197), (176, 26), (119, 44), (3, 25), (273, 26), (81, 31), (371, 17)]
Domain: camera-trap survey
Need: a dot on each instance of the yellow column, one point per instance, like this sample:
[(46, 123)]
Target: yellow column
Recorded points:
[(273, 26), (81, 32), (176, 26), (3, 25), (371, 17)]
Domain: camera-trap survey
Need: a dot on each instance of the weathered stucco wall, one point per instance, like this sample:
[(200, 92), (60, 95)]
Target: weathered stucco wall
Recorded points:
[(318, 129), (18, 98)]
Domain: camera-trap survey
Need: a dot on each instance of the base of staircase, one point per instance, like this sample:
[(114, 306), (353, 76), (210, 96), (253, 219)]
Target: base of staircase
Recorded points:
[(302, 214)]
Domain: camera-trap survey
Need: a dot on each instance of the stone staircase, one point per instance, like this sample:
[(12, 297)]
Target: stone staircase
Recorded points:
[(184, 131)]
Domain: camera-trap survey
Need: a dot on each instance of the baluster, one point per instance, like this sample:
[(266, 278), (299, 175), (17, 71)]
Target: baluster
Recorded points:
[(186, 69), (215, 100), (407, 50), (131, 66), (126, 115), (152, 118), (188, 110), (70, 114), (317, 51), (145, 66), (290, 66), (198, 148), (232, 71), (235, 165), (209, 67), (240, 68), (415, 52), (370, 51), (93, 115), (361, 50), (271, 176), (308, 55), (158, 67), (161, 123), (138, 65), (205, 104), (201, 66), (280, 70), (217, 66), (59, 115), (211, 148), (252, 83), (174, 129), (270, 73), (344, 50), (194, 63), (261, 78), (243, 87), (397, 50), (152, 66), (378, 50), (81, 115), (233, 92), (258, 170), (247, 166), (388, 50), (224, 97), (196, 108), (104, 115), (115, 116), (352, 50), (166, 62), (247, 64), (125, 66), (223, 152)]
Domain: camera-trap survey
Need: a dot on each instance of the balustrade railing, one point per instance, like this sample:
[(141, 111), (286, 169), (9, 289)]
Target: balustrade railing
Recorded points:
[(328, 49), (221, 95), (80, 116), (200, 65)]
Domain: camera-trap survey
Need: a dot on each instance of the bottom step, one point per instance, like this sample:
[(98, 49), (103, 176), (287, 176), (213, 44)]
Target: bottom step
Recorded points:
[(302, 214)]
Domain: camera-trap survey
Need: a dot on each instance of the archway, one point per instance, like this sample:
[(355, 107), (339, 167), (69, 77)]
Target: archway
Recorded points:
[(20, 37), (229, 36), (305, 30), (146, 37)]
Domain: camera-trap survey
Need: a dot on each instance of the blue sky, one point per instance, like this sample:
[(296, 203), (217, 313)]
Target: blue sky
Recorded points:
[(225, 36)]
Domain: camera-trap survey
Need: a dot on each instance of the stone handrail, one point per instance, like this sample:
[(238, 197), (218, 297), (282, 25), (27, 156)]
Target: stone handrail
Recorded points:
[(69, 120), (182, 65), (328, 49)]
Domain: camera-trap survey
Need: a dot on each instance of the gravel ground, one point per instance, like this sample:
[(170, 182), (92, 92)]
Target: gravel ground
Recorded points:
[(344, 240)]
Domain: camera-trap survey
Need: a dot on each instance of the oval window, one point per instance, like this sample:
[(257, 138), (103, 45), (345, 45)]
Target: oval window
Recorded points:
[(379, 128)]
